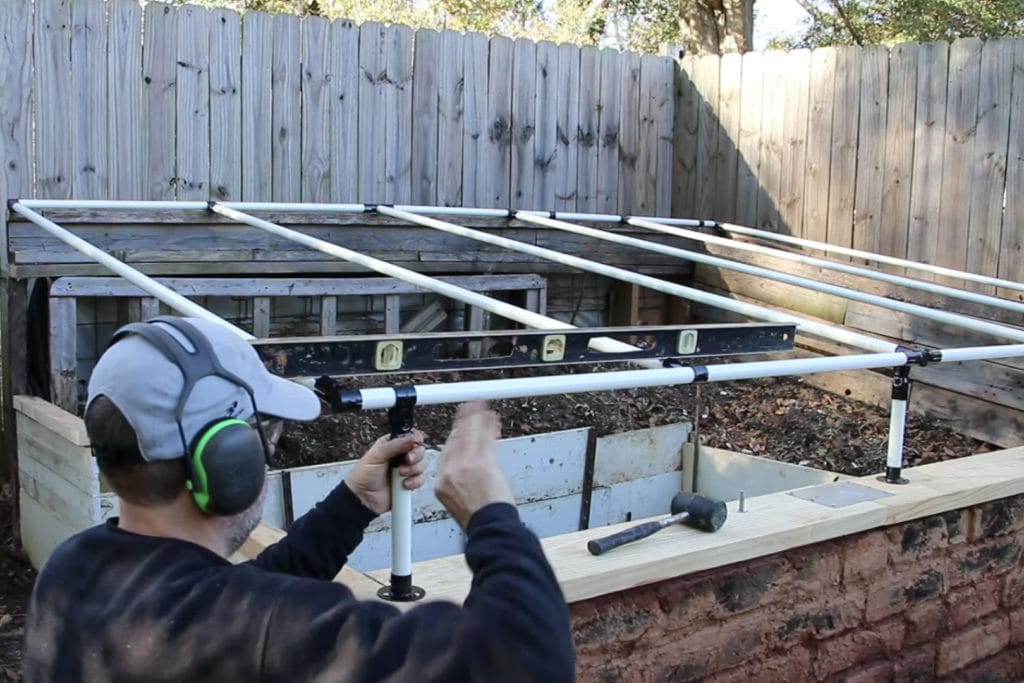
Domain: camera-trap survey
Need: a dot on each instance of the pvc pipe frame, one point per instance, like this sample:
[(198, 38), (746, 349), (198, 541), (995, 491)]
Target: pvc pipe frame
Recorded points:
[(102, 204), (963, 321), (908, 282), (144, 282), (807, 326)]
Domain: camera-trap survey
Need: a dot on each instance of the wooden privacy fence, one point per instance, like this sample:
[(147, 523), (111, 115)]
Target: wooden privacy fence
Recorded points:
[(107, 99), (915, 151)]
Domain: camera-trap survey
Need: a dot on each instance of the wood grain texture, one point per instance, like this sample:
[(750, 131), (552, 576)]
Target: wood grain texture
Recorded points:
[(751, 98), (450, 118), (874, 87), (794, 143), (398, 115), (1011, 251), (629, 134), (344, 111), (587, 135), (257, 35), (684, 166), (901, 109), (90, 157), (819, 144), (988, 182), (192, 103), (843, 172), (773, 119), (664, 128), (729, 110), (425, 85), (545, 140), (524, 124), (608, 139), (225, 105), (52, 84), (16, 154), (286, 110), (316, 78), (476, 127), (372, 111), (958, 154), (929, 136), (567, 128), (706, 80)]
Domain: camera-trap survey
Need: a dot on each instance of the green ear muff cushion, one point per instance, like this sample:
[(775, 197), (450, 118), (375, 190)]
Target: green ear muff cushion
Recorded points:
[(229, 467)]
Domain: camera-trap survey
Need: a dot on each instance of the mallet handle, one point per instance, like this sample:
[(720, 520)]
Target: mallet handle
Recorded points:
[(603, 545)]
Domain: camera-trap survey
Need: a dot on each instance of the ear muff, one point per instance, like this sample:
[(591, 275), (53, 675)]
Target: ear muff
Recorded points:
[(227, 459), (226, 467)]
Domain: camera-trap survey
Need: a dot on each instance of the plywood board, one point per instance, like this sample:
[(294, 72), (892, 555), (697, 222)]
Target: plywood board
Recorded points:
[(637, 499), (639, 454)]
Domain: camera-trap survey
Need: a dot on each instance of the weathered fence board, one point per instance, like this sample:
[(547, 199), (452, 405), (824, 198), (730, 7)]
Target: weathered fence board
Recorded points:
[(773, 118), (52, 86), (587, 133), (90, 169), (545, 161), (16, 158), (286, 105), (819, 144), (729, 92), (425, 117), (629, 133), (958, 152), (225, 105), (794, 143), (751, 97), (256, 116), (608, 139), (496, 169), (192, 100), (398, 116), (843, 171), (684, 174), (899, 151), (705, 78), (989, 166), (450, 119), (524, 123), (1011, 251), (874, 86), (315, 181), (345, 80), (567, 87)]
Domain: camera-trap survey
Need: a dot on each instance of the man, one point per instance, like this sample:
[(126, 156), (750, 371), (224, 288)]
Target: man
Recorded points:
[(179, 414)]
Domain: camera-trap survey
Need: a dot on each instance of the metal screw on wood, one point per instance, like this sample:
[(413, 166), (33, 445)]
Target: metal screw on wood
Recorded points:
[(742, 508)]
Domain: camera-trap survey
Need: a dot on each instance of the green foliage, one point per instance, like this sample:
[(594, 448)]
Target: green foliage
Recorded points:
[(867, 22)]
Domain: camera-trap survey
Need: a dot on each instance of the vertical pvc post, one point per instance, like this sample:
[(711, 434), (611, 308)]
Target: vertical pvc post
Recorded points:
[(401, 588), (897, 425)]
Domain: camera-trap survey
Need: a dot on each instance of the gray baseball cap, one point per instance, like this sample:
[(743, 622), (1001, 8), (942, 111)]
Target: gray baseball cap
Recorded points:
[(146, 386)]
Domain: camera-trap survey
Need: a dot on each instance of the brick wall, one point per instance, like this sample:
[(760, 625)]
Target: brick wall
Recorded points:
[(937, 599)]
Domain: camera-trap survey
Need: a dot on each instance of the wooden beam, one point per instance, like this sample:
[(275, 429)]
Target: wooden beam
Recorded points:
[(623, 304)]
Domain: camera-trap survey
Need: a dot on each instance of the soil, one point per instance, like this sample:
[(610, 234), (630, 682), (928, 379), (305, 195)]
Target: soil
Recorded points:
[(785, 419)]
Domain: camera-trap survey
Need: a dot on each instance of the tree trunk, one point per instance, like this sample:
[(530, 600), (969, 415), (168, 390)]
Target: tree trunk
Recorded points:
[(716, 26)]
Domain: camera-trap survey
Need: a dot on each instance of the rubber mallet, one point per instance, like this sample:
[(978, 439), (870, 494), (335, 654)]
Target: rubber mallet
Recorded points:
[(687, 508)]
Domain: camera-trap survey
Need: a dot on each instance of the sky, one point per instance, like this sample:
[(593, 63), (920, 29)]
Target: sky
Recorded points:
[(774, 18)]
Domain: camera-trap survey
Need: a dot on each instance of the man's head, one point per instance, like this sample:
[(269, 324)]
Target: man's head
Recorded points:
[(176, 402)]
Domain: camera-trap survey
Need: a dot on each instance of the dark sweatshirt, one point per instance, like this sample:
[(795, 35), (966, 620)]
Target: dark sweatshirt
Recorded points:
[(111, 605)]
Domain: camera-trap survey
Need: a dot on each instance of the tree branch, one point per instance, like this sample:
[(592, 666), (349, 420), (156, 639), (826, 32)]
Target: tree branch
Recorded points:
[(857, 38)]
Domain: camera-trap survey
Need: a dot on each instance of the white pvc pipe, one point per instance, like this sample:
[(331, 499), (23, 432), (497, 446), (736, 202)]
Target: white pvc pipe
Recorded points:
[(807, 326), (870, 256), (967, 353), (963, 321), (521, 315), (911, 283), (897, 430), (112, 205), (401, 527), (520, 387), (144, 282)]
